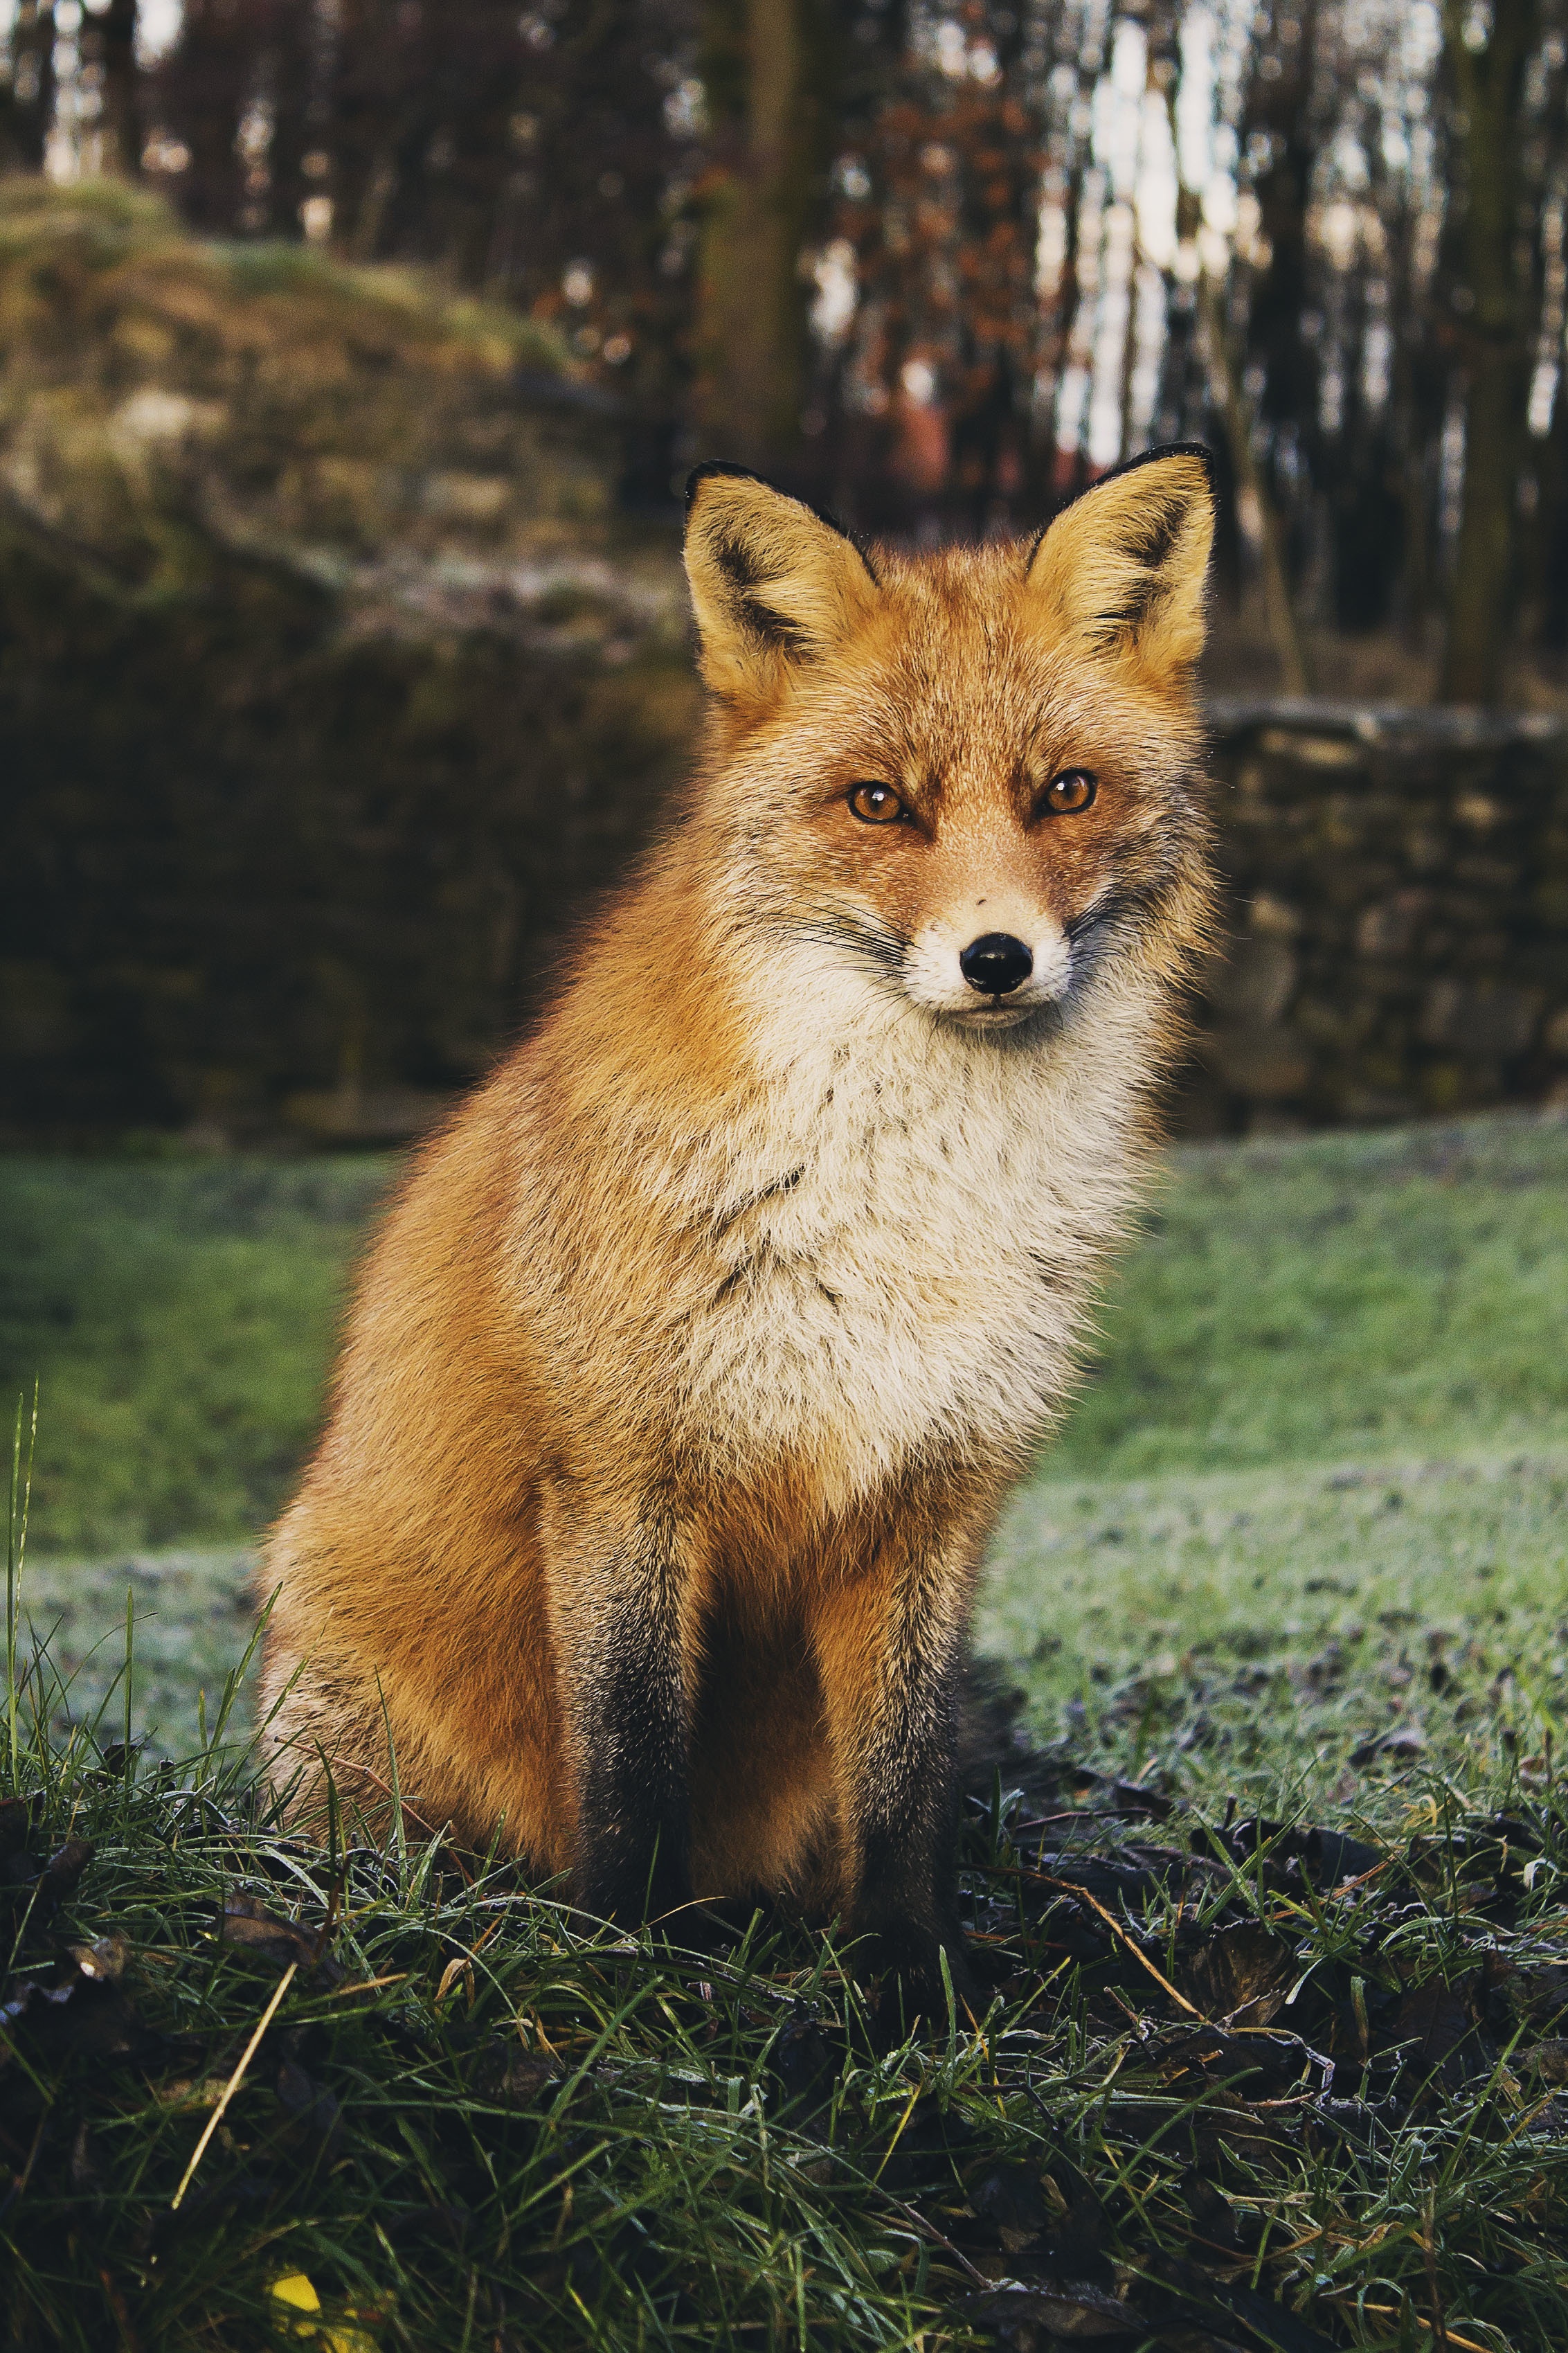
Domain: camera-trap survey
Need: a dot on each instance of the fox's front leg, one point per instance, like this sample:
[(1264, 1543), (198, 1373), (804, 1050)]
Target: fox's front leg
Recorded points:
[(621, 1617), (889, 1646)]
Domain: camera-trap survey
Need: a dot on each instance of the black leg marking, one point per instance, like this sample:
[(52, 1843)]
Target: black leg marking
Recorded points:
[(908, 1841), (903, 1789), (633, 1832)]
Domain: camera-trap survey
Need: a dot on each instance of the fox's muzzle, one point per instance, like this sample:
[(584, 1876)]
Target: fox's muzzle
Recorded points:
[(993, 978)]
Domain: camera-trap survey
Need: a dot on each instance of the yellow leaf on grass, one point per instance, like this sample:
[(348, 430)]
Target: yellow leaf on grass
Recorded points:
[(300, 2293), (295, 2289), (460, 1970)]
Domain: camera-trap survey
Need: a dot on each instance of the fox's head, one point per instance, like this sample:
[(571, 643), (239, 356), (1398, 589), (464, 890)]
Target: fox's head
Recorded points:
[(970, 777)]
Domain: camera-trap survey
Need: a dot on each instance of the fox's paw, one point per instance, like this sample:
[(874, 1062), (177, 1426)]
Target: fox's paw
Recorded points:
[(638, 1897), (903, 1960)]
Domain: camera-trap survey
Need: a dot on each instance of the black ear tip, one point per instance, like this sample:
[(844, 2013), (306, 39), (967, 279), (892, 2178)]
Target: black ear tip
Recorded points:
[(1198, 449), (716, 470)]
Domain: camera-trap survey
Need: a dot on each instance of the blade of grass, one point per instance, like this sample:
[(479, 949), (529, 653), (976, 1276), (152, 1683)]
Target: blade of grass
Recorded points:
[(16, 1554)]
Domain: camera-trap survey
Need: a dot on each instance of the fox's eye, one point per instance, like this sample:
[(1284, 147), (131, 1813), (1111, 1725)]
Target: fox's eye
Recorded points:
[(1067, 794), (875, 804)]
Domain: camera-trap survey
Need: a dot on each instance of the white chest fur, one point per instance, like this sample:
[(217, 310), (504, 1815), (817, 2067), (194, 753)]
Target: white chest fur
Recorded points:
[(903, 1227)]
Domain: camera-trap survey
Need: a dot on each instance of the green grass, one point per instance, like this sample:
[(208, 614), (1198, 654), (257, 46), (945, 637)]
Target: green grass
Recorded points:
[(1297, 1564), (1341, 1296), (1233, 2086), (1253, 1575), (191, 1623), (1360, 1317), (1338, 1296), (1258, 1631), (178, 1318)]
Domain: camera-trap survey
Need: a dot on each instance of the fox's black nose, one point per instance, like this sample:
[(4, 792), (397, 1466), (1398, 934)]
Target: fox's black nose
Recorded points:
[(996, 964)]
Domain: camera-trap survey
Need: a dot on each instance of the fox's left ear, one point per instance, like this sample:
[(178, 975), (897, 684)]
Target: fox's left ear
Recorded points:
[(1124, 566), (774, 584)]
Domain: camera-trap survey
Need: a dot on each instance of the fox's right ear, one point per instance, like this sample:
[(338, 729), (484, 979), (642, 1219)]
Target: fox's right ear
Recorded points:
[(774, 584), (1123, 567)]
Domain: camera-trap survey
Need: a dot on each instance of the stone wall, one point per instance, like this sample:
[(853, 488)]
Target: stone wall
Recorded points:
[(1396, 917), (266, 873), (274, 875)]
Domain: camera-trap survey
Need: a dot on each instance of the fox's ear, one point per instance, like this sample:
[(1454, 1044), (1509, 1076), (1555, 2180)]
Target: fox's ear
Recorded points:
[(774, 584), (1124, 566)]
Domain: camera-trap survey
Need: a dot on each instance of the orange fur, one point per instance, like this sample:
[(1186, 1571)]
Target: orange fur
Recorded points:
[(692, 1364)]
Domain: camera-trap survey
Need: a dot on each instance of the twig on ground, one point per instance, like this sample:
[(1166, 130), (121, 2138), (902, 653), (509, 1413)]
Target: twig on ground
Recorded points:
[(1070, 1888), (233, 2085)]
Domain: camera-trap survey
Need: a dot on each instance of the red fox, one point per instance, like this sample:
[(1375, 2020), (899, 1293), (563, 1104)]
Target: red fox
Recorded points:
[(699, 1350)]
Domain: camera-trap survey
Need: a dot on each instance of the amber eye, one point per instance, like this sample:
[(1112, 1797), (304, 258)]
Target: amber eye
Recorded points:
[(1067, 794), (875, 804)]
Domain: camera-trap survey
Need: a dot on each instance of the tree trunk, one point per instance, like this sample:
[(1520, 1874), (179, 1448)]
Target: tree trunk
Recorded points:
[(296, 119), (204, 84), (1486, 84), (117, 49), (1230, 396), (27, 104), (750, 304), (1238, 418)]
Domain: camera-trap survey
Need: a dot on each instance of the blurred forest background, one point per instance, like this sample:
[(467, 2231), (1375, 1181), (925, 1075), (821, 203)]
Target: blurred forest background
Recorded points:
[(941, 264), (352, 353)]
